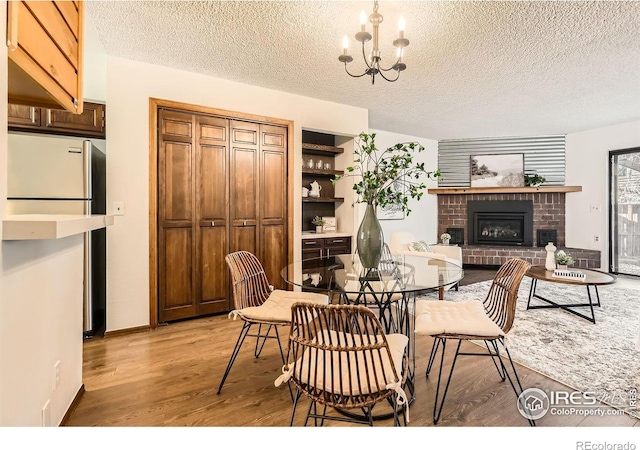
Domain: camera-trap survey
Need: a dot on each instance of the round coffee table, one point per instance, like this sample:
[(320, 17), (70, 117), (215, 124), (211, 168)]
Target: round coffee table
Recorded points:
[(593, 278)]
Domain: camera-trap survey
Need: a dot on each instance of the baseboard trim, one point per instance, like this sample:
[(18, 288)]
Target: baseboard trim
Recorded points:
[(126, 331), (73, 405)]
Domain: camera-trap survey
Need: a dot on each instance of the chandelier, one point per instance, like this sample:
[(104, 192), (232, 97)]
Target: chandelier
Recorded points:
[(374, 59)]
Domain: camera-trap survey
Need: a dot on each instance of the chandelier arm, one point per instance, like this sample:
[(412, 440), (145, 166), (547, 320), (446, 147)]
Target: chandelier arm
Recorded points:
[(350, 74), (389, 79), (390, 68)]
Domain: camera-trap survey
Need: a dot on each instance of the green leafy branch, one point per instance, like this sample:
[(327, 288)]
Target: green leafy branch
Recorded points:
[(388, 177)]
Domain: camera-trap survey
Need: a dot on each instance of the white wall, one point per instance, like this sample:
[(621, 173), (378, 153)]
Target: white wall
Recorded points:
[(40, 310), (95, 64), (423, 219), (130, 84), (587, 156)]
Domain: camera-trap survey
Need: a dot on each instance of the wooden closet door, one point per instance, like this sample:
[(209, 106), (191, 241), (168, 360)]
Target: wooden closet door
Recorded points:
[(212, 137), (244, 195), (176, 217), (272, 230)]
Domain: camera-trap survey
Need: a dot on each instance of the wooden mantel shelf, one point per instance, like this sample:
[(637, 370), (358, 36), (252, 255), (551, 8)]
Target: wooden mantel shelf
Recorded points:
[(504, 190)]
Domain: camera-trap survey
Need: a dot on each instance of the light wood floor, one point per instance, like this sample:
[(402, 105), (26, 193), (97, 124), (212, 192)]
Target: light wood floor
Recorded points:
[(169, 377)]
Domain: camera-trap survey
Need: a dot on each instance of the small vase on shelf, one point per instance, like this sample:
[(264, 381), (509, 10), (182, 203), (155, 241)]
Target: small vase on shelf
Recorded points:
[(550, 262), (445, 242), (319, 229)]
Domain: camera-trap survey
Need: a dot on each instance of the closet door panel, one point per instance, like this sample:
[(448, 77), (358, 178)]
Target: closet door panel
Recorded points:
[(212, 192), (244, 195), (176, 274)]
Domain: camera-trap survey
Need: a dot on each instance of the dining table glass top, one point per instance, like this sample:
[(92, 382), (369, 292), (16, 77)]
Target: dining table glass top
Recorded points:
[(394, 274)]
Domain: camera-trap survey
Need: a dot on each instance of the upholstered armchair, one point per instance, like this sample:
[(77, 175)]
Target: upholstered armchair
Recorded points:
[(400, 244)]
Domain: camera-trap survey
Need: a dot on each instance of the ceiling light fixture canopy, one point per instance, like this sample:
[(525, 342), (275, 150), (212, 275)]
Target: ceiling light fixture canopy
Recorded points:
[(373, 61)]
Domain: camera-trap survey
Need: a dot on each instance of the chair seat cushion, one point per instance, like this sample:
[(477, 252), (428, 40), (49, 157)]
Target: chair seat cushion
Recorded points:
[(277, 308), (462, 318), (351, 372)]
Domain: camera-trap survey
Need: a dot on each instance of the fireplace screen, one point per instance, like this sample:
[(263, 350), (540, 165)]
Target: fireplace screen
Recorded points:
[(500, 229)]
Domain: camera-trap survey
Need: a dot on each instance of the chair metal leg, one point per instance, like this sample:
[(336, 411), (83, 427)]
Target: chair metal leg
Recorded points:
[(295, 405), (311, 405), (432, 357), (493, 358), (515, 373), (243, 334), (438, 411)]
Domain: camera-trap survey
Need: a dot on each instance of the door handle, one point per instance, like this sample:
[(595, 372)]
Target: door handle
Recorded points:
[(213, 224), (244, 223)]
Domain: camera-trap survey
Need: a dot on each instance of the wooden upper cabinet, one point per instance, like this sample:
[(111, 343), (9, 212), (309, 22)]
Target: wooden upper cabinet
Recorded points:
[(90, 123), (45, 40)]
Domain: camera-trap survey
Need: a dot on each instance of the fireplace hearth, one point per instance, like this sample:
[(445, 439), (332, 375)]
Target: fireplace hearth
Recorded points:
[(501, 222)]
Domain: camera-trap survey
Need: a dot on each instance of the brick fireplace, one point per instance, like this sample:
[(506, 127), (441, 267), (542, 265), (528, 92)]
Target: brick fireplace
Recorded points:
[(548, 214)]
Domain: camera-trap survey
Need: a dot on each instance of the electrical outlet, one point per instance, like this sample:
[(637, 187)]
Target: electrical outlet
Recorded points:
[(46, 414), (596, 238), (595, 208), (118, 208), (56, 375)]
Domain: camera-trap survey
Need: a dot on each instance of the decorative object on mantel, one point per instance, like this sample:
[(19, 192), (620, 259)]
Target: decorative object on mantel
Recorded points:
[(385, 177), (534, 180), (319, 223), (550, 262), (445, 238), (372, 62), (500, 170), (563, 260), (315, 189)]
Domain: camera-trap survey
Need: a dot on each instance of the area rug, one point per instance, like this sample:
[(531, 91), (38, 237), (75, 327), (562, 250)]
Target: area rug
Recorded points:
[(601, 358)]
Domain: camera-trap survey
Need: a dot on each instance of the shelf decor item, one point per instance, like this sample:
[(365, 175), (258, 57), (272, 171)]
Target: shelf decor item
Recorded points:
[(550, 263), (534, 180), (445, 238), (501, 170), (329, 224), (563, 260), (384, 178), (319, 223)]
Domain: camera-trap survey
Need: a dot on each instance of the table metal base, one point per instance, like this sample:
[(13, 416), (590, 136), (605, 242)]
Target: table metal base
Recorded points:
[(568, 307)]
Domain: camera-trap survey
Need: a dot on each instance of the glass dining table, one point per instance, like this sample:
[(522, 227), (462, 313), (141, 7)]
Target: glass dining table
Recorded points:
[(390, 289)]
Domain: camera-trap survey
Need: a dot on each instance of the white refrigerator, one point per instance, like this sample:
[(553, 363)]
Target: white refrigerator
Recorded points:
[(63, 175)]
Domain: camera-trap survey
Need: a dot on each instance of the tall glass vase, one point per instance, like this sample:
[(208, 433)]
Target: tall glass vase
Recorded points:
[(370, 239)]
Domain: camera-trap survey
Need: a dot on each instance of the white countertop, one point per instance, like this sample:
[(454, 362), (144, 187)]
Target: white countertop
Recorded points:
[(327, 234), (50, 226)]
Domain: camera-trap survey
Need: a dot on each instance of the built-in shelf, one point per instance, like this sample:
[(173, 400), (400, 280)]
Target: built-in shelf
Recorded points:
[(322, 172), (504, 190), (322, 199), (318, 149), (50, 226)]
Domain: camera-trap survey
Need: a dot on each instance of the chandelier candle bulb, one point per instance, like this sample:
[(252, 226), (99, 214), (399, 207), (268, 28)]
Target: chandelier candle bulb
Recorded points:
[(363, 20), (401, 26)]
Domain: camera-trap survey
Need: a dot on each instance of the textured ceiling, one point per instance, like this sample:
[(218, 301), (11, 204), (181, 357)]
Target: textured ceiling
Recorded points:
[(474, 69)]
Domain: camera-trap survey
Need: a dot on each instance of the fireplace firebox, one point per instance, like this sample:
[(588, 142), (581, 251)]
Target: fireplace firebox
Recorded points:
[(503, 222)]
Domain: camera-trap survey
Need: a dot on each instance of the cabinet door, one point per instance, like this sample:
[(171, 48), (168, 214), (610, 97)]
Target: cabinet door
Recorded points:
[(45, 41), (312, 248), (212, 168), (273, 202), (90, 123), (176, 224), (23, 117), (244, 195)]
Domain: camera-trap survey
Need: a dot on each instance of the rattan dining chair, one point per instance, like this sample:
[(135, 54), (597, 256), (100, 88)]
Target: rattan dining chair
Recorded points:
[(340, 357), (488, 320), (257, 303)]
